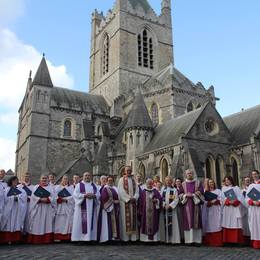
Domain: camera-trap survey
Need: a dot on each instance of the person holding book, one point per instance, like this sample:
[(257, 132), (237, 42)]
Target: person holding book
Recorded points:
[(253, 201), (64, 211), (28, 188), (233, 201), (14, 212), (255, 175), (212, 215), (41, 213)]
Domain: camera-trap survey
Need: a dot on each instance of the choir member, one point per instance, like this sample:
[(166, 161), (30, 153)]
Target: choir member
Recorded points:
[(64, 211), (169, 224), (212, 215), (2, 176), (232, 212), (244, 211), (255, 175), (51, 179), (75, 180), (192, 199), (42, 213), (109, 226), (14, 212), (253, 201), (2, 202), (150, 206), (128, 194), (28, 188), (155, 180), (86, 196)]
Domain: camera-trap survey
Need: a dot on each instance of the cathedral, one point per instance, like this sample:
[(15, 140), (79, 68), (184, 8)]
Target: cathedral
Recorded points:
[(140, 110)]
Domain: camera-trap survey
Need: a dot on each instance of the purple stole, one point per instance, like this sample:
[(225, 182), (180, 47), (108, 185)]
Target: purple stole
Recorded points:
[(84, 215)]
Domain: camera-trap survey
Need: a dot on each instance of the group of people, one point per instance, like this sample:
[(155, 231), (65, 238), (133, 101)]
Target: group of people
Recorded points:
[(173, 212)]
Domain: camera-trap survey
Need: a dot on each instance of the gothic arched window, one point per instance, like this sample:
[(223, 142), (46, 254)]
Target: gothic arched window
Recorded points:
[(155, 114), (235, 173), (145, 49), (105, 55), (67, 129), (164, 169), (190, 107)]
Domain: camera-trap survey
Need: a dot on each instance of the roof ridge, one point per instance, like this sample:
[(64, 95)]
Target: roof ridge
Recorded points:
[(243, 111)]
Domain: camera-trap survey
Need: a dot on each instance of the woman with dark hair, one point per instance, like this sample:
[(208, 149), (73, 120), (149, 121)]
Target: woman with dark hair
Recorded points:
[(255, 175), (14, 212), (212, 215), (233, 201)]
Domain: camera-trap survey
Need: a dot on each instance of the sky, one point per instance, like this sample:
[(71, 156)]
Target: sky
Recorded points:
[(216, 42)]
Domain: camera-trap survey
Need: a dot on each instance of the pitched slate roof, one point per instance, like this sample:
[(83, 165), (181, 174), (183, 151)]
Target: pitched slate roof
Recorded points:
[(170, 132), (244, 125), (42, 76), (71, 99), (139, 116)]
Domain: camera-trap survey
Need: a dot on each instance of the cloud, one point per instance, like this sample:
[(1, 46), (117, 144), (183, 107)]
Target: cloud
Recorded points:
[(7, 149), (11, 10), (16, 60)]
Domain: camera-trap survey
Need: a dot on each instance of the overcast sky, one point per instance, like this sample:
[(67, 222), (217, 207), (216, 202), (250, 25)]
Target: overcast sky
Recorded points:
[(215, 42)]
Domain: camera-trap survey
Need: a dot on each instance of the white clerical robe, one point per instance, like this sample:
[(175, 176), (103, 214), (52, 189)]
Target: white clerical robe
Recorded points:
[(212, 216), (2, 203), (14, 211), (41, 215), (26, 220), (124, 198), (254, 215), (92, 206), (232, 216), (64, 212), (172, 235)]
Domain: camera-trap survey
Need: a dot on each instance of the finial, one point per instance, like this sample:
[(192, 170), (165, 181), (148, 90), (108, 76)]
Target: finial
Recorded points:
[(30, 74), (43, 55)]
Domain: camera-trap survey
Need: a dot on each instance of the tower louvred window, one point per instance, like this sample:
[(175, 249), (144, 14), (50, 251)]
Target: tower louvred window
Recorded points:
[(105, 56), (145, 50)]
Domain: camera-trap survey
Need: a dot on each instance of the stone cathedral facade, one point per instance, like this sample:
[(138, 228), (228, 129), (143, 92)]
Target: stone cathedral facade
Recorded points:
[(140, 110)]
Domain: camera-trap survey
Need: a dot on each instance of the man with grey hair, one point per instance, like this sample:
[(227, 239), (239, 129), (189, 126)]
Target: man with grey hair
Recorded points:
[(149, 210), (86, 195), (192, 198)]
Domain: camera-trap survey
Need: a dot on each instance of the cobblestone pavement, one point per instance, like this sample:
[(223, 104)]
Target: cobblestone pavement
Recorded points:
[(124, 251)]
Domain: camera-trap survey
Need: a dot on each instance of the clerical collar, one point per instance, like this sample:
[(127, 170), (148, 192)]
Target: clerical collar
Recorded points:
[(149, 189), (190, 180)]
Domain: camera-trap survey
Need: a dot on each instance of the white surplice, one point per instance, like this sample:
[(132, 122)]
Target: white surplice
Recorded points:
[(26, 220), (254, 215), (14, 212), (212, 216), (77, 234), (2, 203), (41, 215), (244, 211), (124, 198), (175, 237), (64, 212), (232, 216)]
